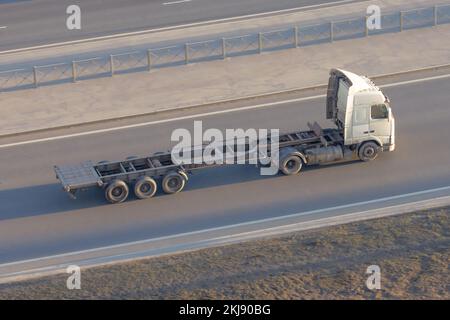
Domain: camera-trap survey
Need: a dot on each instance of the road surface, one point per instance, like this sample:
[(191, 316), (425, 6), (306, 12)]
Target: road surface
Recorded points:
[(38, 219), (25, 23)]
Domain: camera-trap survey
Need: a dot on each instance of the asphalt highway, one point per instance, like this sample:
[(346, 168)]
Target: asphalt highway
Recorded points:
[(26, 23), (38, 219)]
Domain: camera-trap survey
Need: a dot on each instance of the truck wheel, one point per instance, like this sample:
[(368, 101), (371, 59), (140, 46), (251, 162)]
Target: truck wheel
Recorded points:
[(145, 187), (368, 151), (117, 191), (173, 182), (291, 165)]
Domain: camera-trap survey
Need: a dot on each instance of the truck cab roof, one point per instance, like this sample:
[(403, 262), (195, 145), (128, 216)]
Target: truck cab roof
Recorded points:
[(359, 83)]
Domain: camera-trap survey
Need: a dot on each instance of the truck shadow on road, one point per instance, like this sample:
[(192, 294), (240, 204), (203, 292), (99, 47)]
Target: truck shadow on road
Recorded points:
[(44, 199), (50, 198)]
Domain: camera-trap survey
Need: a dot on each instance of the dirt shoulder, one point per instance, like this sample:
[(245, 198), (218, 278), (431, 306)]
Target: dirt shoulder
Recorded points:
[(412, 250)]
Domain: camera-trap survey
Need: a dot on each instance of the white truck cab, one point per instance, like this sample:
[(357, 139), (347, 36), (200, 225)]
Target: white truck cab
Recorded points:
[(361, 110)]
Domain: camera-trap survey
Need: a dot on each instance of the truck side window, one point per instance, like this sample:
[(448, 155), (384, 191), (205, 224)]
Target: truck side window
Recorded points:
[(379, 111)]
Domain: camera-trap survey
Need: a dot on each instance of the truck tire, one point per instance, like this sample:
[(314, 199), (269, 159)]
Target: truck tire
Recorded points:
[(291, 165), (173, 182), (145, 187), (117, 191), (368, 151)]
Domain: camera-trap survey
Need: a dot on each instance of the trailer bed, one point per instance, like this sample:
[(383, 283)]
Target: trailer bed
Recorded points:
[(89, 174), (78, 176)]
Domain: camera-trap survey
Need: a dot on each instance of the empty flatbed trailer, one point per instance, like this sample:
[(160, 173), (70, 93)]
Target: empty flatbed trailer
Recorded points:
[(364, 123)]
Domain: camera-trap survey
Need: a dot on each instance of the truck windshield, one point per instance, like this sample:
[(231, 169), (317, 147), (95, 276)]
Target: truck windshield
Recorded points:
[(342, 95)]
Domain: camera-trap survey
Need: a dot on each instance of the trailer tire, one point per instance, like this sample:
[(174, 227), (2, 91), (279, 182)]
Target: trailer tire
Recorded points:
[(173, 182), (291, 165), (145, 187), (117, 191), (368, 151)]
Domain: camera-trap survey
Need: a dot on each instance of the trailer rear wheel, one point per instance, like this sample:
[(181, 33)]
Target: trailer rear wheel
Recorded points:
[(145, 187), (117, 191), (173, 182), (291, 165), (368, 151)]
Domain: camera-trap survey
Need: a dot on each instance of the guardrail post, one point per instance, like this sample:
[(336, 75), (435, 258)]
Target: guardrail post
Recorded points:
[(149, 59), (224, 48), (260, 41), (331, 31), (35, 79), (111, 64), (296, 42), (401, 21), (366, 27), (74, 71), (186, 53), (435, 15)]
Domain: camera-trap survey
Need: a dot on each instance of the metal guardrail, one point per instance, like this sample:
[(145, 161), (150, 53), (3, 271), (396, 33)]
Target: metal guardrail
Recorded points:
[(294, 37)]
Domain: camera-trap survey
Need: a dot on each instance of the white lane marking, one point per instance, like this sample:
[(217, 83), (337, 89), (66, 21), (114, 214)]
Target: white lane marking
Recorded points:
[(316, 6), (401, 83), (236, 225), (206, 114), (137, 125), (175, 2), (3, 27)]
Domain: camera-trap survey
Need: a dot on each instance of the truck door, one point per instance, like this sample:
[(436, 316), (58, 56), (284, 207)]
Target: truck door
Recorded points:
[(360, 127)]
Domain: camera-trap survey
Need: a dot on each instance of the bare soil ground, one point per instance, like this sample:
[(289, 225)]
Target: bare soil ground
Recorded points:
[(412, 250)]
